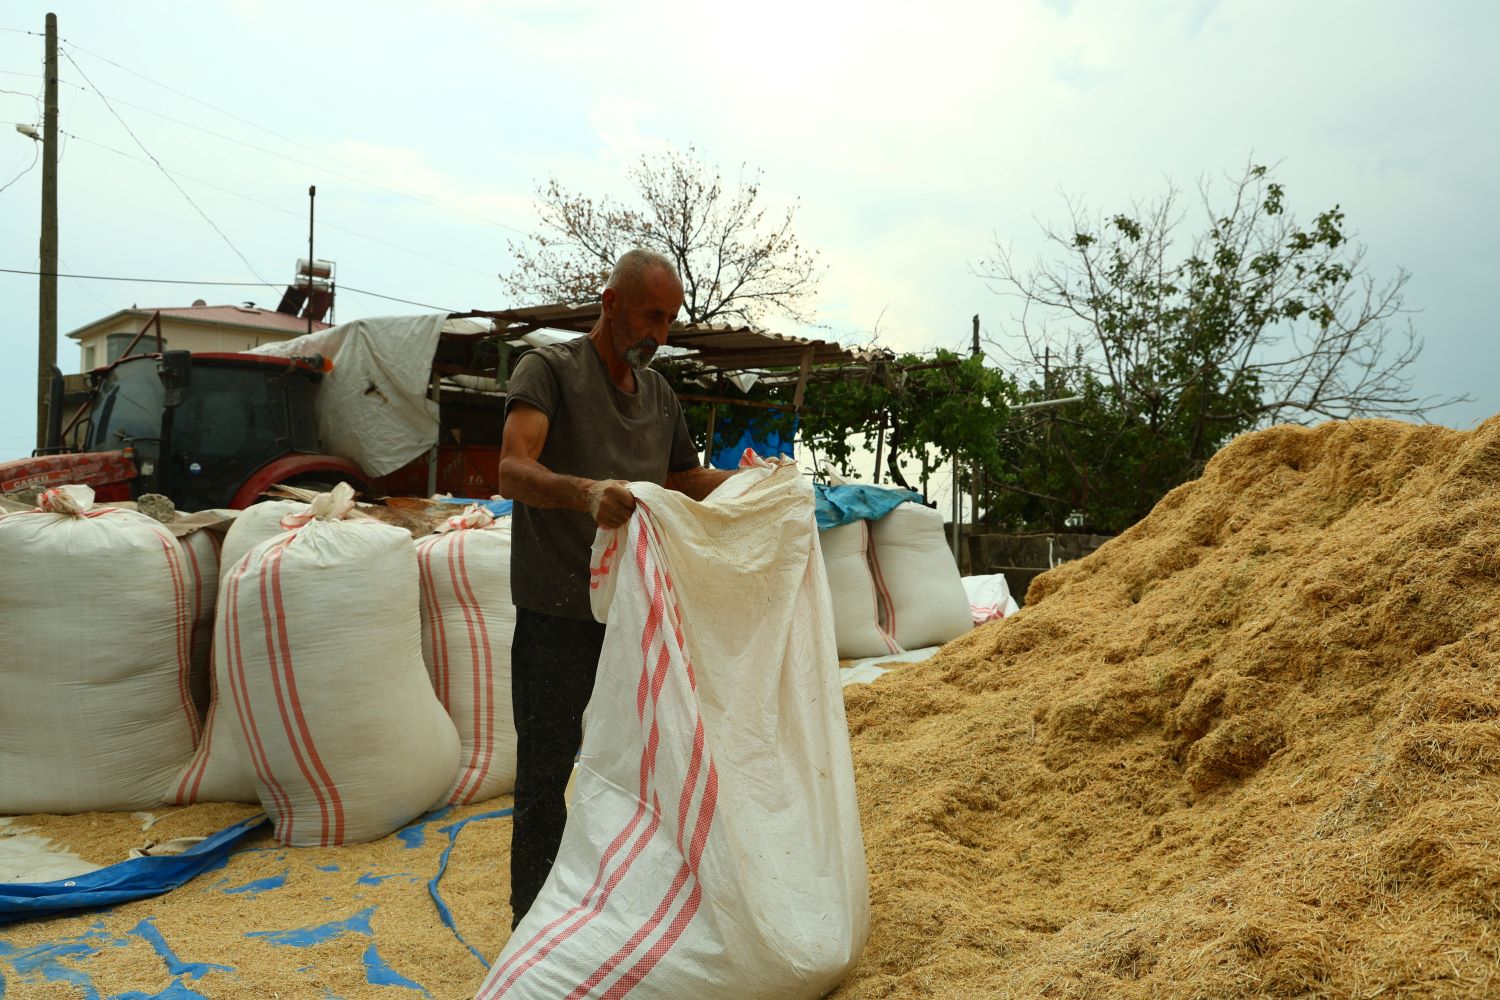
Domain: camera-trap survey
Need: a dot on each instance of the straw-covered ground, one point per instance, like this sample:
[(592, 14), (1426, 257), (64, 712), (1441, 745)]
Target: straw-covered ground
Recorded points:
[(359, 921), (1249, 748)]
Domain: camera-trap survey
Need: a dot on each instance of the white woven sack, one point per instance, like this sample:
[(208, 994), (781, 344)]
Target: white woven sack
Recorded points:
[(254, 525), (200, 553), (218, 772), (714, 848), (96, 711), (320, 634), (989, 598), (917, 579), (467, 625), (856, 609)]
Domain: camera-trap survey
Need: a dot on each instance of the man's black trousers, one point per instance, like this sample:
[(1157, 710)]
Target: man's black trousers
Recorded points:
[(552, 666)]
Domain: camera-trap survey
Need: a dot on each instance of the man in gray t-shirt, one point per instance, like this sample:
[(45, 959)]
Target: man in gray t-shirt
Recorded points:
[(582, 420)]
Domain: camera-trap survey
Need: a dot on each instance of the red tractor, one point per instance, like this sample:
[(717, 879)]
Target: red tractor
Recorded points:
[(207, 430)]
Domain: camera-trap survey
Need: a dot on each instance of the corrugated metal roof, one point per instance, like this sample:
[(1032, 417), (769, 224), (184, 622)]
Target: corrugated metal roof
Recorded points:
[(720, 346)]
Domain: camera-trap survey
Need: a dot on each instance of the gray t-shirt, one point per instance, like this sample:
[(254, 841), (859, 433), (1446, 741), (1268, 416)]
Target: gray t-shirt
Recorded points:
[(597, 432)]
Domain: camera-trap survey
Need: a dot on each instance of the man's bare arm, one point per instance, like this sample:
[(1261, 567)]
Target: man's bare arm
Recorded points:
[(523, 477), (697, 483)]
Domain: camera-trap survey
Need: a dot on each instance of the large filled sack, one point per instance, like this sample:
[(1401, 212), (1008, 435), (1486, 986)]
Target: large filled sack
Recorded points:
[(96, 711), (218, 772), (917, 579), (320, 634), (858, 611), (714, 850), (467, 624)]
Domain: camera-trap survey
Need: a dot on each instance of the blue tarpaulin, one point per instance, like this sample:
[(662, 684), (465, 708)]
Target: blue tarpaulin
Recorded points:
[(836, 505), (499, 508), (136, 878), (767, 444)]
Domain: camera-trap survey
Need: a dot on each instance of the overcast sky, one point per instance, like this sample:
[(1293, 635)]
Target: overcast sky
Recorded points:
[(912, 136)]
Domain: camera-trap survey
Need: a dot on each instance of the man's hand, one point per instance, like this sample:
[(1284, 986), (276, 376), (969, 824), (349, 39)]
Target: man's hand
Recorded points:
[(610, 502)]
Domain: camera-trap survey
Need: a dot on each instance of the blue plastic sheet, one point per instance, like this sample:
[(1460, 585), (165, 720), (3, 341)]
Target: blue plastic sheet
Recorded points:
[(499, 508), (836, 505), (137, 878), (766, 442), (70, 956)]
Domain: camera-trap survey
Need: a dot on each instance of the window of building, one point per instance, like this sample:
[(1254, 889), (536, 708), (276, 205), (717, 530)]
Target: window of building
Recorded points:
[(116, 343), (89, 354)]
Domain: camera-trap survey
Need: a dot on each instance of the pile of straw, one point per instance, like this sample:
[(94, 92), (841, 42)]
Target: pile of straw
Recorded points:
[(1250, 747)]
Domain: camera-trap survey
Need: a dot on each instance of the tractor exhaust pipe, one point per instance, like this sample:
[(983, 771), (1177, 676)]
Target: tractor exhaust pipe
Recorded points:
[(54, 413)]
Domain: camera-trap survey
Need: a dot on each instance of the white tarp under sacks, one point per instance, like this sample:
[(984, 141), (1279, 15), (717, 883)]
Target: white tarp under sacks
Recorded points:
[(218, 772), (713, 849), (320, 633), (96, 711), (917, 579), (467, 624), (856, 606)]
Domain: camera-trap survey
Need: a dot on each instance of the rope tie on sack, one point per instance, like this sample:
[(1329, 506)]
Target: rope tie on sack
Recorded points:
[(334, 505), (75, 500), (474, 516)]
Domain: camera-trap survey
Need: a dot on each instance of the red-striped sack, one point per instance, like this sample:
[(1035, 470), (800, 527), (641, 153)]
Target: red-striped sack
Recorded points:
[(713, 849), (917, 579), (320, 636), (467, 624), (218, 772), (857, 609), (200, 553), (96, 710)]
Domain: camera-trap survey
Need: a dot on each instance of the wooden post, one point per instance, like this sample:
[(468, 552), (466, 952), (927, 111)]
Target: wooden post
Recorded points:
[(432, 456), (47, 282), (708, 444), (312, 264), (807, 355), (957, 513), (974, 467)]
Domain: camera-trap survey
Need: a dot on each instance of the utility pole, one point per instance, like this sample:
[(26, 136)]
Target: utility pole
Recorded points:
[(974, 477), (47, 282), (312, 261)]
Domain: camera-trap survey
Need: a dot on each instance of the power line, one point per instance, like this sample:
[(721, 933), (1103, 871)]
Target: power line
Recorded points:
[(164, 172), (385, 186), (283, 156), (373, 184), (392, 298), (146, 281), (278, 208), (35, 155), (221, 284), (199, 100)]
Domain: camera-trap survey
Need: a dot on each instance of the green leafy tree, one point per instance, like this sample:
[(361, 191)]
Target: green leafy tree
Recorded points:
[(923, 412), (1176, 345), (739, 260)]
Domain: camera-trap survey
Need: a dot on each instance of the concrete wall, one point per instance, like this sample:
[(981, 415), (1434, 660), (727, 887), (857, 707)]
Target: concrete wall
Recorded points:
[(1022, 558)]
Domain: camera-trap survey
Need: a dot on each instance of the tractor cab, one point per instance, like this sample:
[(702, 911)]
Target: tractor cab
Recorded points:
[(207, 430)]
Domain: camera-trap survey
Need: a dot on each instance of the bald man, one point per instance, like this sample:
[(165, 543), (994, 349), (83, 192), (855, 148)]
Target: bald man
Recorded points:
[(583, 419)]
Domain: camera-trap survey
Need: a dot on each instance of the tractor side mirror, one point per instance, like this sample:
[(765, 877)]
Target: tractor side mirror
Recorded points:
[(176, 372)]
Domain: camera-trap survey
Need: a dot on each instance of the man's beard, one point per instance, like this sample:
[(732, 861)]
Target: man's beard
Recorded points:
[(640, 354)]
